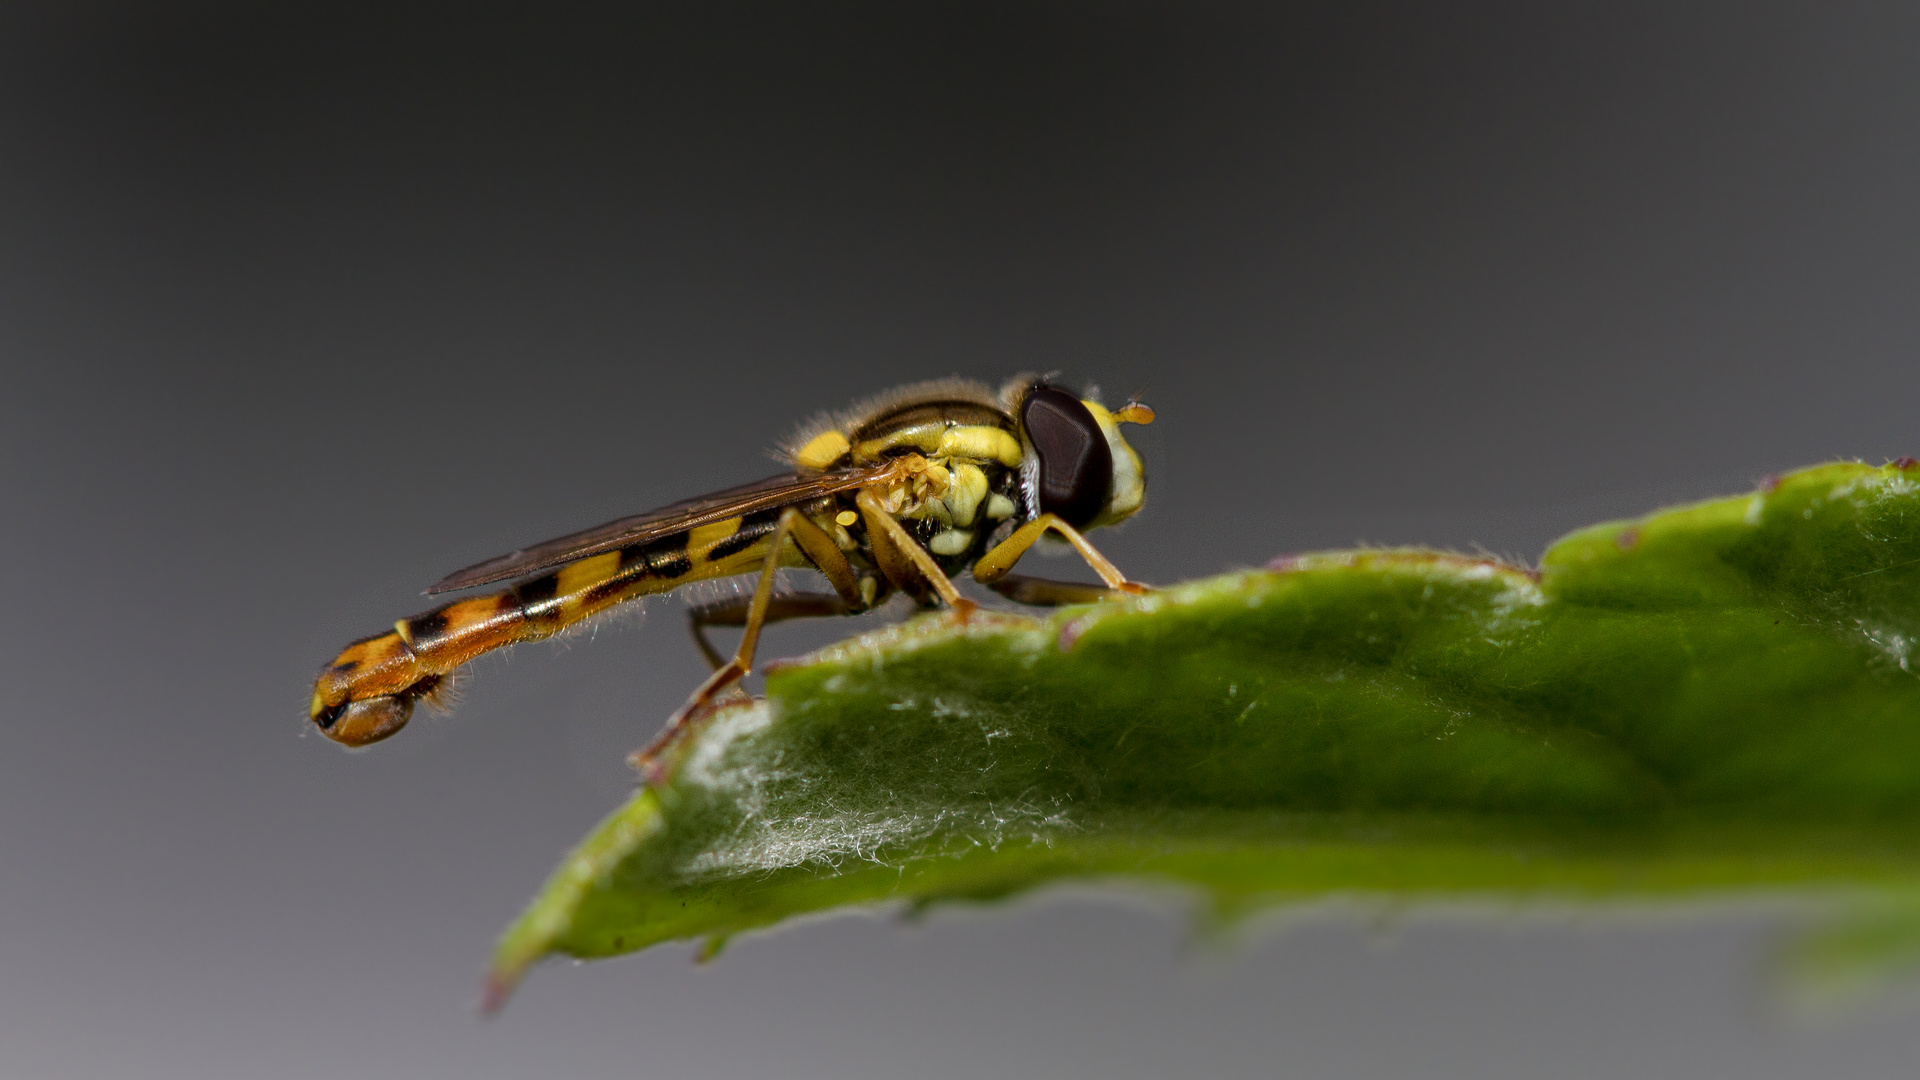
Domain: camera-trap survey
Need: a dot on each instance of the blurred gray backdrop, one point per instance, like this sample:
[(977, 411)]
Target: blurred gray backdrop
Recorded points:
[(303, 305)]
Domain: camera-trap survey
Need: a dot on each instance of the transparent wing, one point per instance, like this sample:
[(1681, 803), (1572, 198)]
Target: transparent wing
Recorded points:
[(775, 491)]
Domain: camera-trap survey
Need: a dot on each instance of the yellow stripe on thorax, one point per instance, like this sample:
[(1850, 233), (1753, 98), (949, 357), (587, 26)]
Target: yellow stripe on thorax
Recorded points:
[(942, 441)]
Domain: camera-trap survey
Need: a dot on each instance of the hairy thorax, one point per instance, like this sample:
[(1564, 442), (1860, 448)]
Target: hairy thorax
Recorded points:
[(962, 458)]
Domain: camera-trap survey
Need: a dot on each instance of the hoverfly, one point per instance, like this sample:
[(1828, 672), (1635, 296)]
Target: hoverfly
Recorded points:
[(899, 493)]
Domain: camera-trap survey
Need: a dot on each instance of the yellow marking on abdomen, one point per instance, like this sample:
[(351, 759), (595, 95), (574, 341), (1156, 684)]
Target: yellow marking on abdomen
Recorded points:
[(702, 539), (587, 572), (369, 690)]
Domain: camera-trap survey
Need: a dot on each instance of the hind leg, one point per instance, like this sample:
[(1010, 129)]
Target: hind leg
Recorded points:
[(734, 612)]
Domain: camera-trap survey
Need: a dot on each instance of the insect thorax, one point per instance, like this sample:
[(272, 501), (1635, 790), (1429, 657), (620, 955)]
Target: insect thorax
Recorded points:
[(967, 487)]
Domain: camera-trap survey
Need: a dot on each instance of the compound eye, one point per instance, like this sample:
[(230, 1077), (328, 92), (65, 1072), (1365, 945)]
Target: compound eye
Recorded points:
[(1076, 465)]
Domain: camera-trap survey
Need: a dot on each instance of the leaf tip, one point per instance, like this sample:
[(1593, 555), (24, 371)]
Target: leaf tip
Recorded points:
[(711, 948), (524, 944), (496, 988), (551, 914)]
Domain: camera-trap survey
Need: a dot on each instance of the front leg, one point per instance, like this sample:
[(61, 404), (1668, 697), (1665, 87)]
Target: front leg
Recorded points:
[(995, 564), (1045, 592)]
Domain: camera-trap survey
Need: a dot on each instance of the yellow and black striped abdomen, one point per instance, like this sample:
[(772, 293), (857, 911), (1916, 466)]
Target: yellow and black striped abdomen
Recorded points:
[(369, 690)]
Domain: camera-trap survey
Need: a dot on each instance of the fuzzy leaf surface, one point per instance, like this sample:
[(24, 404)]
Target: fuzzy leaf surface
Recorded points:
[(1713, 698)]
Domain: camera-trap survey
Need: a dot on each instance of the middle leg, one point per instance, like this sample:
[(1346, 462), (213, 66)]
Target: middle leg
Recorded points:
[(901, 558)]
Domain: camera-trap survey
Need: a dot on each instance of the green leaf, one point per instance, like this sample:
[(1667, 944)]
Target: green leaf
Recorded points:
[(1711, 698)]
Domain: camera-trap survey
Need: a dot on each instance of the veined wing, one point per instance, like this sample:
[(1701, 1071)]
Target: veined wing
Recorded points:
[(786, 489)]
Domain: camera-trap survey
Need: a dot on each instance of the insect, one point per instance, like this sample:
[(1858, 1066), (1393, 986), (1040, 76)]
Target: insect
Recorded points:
[(899, 493)]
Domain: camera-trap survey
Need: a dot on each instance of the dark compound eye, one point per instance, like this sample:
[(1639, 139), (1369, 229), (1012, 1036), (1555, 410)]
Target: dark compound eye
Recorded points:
[(1076, 465)]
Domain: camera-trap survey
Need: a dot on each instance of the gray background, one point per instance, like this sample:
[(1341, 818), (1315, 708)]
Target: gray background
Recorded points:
[(301, 309)]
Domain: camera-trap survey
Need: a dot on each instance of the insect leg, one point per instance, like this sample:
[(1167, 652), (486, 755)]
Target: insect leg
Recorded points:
[(822, 553), (733, 612), (900, 557), (994, 565), (793, 526), (1043, 592)]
